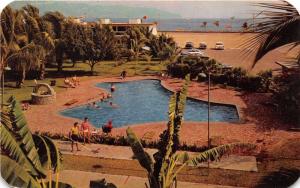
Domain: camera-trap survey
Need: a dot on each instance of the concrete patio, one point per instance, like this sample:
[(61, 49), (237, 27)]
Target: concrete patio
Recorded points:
[(232, 162)]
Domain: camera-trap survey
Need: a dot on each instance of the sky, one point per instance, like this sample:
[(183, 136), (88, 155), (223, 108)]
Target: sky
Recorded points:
[(188, 9)]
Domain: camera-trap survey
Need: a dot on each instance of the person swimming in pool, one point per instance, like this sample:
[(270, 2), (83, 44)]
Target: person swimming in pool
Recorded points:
[(94, 105), (112, 87), (113, 105)]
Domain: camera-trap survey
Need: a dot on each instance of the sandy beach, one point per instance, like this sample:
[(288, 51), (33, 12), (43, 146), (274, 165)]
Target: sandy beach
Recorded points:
[(233, 53)]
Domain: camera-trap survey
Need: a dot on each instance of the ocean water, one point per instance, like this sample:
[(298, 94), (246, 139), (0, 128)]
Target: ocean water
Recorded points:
[(227, 25), (146, 101)]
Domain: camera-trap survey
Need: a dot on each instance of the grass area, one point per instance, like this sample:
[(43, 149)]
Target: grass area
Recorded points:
[(82, 70)]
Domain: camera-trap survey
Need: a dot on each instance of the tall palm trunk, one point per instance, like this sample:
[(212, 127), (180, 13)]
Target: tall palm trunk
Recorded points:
[(59, 62), (74, 62), (42, 71), (92, 67), (21, 78)]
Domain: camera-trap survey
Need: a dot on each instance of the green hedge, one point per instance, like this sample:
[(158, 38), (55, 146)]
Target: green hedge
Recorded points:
[(122, 141), (235, 77)]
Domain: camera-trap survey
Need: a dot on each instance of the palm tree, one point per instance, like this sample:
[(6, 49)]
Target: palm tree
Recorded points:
[(245, 26), (8, 36), (26, 158), (26, 59), (44, 40), (163, 171), (20, 31), (54, 24), (39, 31), (204, 24), (278, 26)]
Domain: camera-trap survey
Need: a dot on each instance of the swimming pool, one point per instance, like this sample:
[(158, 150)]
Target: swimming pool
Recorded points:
[(146, 101)]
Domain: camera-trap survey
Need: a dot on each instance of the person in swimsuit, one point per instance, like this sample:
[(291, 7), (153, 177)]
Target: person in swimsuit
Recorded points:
[(85, 127), (94, 105), (113, 105), (108, 127), (112, 87), (75, 80), (74, 135)]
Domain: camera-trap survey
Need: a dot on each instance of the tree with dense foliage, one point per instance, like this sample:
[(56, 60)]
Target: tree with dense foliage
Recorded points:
[(26, 158), (100, 45), (73, 38), (163, 47), (163, 171), (136, 40), (22, 33)]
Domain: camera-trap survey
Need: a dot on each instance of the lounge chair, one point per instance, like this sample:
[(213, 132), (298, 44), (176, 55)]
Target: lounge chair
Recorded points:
[(106, 130)]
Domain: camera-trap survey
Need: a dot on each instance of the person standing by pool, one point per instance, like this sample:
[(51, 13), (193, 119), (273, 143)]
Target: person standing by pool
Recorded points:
[(123, 74), (74, 135), (85, 127)]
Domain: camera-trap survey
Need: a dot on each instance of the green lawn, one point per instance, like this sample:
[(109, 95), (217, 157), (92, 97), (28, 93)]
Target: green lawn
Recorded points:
[(103, 69)]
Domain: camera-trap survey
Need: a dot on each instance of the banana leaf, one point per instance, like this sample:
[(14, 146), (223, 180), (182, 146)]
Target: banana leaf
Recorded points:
[(23, 135), (43, 151), (16, 175), (14, 151), (55, 155), (217, 152), (138, 150)]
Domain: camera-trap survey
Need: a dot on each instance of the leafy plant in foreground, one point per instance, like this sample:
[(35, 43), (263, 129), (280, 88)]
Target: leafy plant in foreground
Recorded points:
[(25, 158)]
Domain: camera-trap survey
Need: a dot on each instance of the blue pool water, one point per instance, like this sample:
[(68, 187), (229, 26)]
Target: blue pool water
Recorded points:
[(146, 101)]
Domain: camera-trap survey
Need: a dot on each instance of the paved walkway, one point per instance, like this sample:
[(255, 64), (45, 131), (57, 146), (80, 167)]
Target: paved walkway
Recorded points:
[(71, 176), (232, 162)]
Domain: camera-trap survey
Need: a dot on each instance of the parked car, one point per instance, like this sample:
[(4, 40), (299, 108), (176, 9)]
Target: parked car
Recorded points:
[(202, 45), (219, 46), (189, 45), (192, 52)]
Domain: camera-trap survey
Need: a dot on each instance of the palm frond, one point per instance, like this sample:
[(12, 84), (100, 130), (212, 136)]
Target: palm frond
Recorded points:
[(43, 151), (24, 135), (138, 150), (28, 58), (278, 26), (44, 39), (213, 154), (15, 174), (14, 151), (55, 154), (217, 152)]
